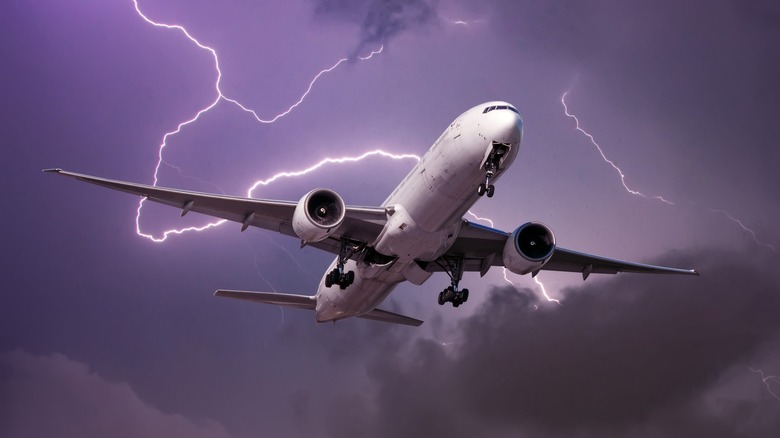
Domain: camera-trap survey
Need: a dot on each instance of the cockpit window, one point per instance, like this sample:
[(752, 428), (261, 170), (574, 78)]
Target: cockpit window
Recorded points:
[(500, 107)]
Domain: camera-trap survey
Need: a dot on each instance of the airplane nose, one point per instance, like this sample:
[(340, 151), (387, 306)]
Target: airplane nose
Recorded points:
[(506, 126)]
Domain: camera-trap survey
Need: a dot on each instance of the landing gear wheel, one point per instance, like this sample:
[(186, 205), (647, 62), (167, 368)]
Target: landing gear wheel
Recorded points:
[(350, 277), (490, 190), (481, 189), (334, 277), (449, 294), (455, 303), (441, 298), (464, 295)]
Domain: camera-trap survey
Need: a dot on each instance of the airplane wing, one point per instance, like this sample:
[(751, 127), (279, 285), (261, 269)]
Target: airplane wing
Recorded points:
[(310, 302), (482, 247), (361, 224)]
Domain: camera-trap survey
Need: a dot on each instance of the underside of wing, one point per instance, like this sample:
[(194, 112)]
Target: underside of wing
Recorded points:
[(361, 224), (478, 246), (482, 247), (573, 261)]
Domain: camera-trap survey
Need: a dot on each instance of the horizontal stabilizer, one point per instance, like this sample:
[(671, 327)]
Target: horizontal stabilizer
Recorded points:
[(286, 300), (310, 302), (385, 316)]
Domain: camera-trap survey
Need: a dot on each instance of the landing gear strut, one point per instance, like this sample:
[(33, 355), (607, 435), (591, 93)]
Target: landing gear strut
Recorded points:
[(453, 268), (491, 166), (337, 275)]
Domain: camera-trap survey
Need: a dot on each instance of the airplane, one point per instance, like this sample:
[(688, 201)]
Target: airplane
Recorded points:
[(417, 231)]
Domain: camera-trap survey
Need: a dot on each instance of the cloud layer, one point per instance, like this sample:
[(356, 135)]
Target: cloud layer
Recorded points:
[(380, 20), (627, 354), (53, 395)]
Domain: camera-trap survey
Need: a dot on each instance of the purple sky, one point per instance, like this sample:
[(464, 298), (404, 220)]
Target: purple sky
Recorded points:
[(105, 333)]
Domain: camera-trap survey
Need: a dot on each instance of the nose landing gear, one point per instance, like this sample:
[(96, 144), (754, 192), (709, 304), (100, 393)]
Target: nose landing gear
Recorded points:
[(491, 166)]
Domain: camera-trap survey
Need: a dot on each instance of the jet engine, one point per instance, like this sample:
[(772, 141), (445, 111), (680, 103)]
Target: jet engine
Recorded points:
[(318, 214), (528, 248)]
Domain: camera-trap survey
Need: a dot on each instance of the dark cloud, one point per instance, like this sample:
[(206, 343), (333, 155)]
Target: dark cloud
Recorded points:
[(633, 353), (379, 20), (56, 396)]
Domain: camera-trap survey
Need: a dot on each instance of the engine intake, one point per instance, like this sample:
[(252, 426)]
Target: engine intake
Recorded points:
[(528, 248), (318, 214)]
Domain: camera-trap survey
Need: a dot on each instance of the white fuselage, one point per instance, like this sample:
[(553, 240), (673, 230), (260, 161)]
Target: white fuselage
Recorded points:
[(426, 210)]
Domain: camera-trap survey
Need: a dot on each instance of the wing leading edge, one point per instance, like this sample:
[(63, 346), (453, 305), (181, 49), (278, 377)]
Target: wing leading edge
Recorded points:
[(481, 247), (362, 224)]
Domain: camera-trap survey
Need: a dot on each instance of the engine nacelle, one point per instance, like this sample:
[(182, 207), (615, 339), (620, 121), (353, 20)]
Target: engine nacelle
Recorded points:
[(528, 248), (318, 214)]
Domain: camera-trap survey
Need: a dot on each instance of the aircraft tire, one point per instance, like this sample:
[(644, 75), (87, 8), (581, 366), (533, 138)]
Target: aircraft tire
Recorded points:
[(491, 189), (449, 294), (481, 189)]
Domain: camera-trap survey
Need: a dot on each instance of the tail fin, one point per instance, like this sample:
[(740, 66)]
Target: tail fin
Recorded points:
[(310, 302)]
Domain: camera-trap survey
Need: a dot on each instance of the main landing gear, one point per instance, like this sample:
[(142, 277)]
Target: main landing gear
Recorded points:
[(453, 268), (491, 166), (337, 275)]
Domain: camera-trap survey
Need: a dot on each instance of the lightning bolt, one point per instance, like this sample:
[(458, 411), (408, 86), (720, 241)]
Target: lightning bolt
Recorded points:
[(220, 96), (657, 197), (768, 380), (327, 161), (463, 23), (603, 156), (744, 228), (276, 177)]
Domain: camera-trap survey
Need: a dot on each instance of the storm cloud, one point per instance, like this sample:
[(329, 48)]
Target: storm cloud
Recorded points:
[(626, 354), (380, 20), (53, 395)]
